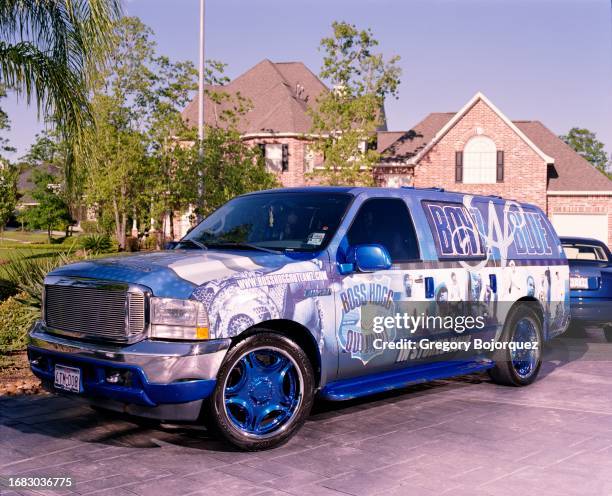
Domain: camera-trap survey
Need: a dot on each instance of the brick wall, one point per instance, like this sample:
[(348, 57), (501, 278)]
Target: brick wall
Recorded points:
[(591, 204), (524, 171)]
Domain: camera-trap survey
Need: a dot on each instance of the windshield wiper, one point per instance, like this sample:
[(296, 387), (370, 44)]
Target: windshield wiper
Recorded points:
[(233, 244), (195, 243)]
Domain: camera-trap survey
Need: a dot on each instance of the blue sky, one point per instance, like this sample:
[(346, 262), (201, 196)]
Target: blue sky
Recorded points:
[(549, 60)]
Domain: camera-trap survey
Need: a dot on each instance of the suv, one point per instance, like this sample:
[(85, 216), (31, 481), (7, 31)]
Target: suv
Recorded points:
[(283, 294)]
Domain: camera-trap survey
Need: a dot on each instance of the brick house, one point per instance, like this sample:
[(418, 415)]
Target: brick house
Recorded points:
[(477, 149), (278, 123), (480, 150)]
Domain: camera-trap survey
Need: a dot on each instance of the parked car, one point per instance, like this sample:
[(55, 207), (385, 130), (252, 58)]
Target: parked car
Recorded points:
[(590, 265), (283, 294)]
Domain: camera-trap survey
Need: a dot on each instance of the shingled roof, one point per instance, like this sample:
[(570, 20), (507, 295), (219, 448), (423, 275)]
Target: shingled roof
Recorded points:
[(570, 172), (280, 94)]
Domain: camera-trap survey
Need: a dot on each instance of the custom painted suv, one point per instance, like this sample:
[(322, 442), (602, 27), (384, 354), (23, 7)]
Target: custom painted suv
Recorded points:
[(283, 294)]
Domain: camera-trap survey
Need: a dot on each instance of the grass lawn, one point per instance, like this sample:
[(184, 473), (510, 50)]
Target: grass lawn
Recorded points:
[(31, 245), (23, 236)]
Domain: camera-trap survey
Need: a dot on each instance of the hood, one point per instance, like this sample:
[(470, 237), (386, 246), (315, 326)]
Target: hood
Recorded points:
[(176, 273)]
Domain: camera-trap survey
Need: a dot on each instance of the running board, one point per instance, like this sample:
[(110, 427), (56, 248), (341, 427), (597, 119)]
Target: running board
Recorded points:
[(365, 385)]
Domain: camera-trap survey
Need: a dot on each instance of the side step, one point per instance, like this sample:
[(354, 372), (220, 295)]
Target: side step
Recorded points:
[(365, 385)]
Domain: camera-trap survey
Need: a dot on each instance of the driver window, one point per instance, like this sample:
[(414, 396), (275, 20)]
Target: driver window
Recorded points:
[(386, 221)]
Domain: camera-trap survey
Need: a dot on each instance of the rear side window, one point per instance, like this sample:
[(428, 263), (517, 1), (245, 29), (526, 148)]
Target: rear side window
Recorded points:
[(386, 221), (579, 251), (454, 230)]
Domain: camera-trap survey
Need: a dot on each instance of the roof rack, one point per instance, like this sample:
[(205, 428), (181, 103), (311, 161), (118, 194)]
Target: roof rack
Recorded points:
[(434, 188)]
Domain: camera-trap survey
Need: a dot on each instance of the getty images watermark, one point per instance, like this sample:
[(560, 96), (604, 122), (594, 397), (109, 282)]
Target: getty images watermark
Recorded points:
[(460, 324)]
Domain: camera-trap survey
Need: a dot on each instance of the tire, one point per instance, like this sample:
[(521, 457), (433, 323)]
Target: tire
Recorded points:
[(521, 367), (264, 392), (608, 333)]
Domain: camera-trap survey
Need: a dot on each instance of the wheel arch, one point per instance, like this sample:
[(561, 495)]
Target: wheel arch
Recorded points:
[(295, 331), (538, 308)]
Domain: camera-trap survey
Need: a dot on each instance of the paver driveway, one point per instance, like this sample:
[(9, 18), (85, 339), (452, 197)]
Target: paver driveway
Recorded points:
[(462, 436)]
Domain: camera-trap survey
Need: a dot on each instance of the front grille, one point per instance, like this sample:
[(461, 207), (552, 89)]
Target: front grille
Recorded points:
[(95, 312)]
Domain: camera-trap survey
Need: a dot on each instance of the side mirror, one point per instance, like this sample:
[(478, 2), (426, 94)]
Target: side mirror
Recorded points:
[(170, 245), (368, 258)]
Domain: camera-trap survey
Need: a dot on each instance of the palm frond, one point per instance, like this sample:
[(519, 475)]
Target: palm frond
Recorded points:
[(66, 38)]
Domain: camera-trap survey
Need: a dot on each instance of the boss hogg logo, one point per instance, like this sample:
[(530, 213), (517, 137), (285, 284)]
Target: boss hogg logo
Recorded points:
[(356, 331)]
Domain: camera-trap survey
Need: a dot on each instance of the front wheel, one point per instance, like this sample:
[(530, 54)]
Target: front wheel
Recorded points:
[(264, 392), (518, 364)]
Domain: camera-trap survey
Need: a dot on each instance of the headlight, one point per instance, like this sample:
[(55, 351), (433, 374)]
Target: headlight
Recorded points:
[(178, 319)]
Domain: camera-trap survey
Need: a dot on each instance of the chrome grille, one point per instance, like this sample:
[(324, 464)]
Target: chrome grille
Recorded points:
[(94, 311), (136, 314)]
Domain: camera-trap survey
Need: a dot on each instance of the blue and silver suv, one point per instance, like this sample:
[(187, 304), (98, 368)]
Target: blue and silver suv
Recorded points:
[(283, 294)]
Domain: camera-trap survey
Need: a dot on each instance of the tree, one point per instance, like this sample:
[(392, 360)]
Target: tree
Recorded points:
[(231, 168), (8, 194), (51, 211), (585, 142), (348, 116), (113, 162), (50, 49), (5, 125)]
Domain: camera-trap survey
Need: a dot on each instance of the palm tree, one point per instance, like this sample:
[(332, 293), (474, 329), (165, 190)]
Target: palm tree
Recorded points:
[(49, 49)]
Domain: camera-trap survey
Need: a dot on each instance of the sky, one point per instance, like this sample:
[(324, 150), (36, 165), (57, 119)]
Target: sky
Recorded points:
[(547, 60)]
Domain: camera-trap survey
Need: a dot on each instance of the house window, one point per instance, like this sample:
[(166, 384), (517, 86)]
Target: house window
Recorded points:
[(277, 156), (309, 158), (480, 161)]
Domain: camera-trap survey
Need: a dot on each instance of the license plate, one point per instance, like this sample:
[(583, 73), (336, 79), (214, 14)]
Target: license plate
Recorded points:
[(68, 378), (579, 282)]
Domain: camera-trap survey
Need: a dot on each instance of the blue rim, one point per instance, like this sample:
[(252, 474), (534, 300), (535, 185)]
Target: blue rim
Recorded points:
[(262, 392), (524, 361)]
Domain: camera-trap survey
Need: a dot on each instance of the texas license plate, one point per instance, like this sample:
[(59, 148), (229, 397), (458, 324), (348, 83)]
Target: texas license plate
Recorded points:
[(579, 282), (68, 378)]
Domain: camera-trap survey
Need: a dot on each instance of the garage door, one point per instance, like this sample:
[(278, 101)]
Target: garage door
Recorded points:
[(583, 225)]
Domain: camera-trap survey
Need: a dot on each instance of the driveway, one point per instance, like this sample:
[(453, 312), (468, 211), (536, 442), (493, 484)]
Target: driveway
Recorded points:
[(462, 436)]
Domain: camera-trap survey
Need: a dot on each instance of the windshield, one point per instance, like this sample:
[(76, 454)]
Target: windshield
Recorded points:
[(276, 221)]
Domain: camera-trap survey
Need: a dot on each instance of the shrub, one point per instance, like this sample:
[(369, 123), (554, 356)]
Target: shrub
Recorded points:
[(26, 273), (6, 289), (15, 322), (91, 227), (96, 243)]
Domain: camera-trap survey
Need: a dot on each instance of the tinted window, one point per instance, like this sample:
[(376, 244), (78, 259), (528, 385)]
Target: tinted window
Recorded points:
[(386, 222), (284, 221)]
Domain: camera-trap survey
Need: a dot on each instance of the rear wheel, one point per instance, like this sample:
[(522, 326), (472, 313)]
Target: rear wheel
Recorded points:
[(518, 364), (264, 392)]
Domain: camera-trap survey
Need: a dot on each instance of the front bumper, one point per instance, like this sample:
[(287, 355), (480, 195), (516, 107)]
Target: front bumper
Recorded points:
[(159, 379), (596, 311)]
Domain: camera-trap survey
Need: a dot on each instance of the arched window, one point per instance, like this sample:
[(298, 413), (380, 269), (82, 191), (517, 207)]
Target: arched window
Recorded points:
[(479, 161)]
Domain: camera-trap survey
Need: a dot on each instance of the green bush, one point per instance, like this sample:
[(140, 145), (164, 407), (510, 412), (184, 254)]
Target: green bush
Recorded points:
[(6, 289), (96, 243), (25, 273), (15, 322), (91, 227)]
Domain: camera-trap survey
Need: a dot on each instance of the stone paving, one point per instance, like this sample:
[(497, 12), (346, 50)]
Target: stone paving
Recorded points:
[(464, 436)]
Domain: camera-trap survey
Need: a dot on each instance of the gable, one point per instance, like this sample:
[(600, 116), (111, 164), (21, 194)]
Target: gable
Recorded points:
[(479, 100)]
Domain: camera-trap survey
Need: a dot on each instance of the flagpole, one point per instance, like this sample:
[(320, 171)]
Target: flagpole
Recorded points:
[(201, 112)]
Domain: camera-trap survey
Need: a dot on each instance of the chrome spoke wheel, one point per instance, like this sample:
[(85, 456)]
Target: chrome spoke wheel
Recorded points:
[(525, 361), (263, 392)]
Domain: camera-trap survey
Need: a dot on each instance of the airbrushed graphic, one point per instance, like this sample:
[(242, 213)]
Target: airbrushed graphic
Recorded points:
[(242, 298)]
